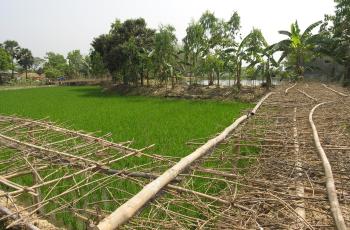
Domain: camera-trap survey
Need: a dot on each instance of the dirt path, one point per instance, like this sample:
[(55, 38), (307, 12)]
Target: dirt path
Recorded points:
[(286, 188)]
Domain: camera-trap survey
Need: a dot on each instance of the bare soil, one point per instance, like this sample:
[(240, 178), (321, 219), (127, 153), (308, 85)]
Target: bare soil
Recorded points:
[(246, 94)]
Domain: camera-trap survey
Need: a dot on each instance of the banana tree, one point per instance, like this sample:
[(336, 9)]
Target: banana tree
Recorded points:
[(298, 46), (265, 64), (246, 51)]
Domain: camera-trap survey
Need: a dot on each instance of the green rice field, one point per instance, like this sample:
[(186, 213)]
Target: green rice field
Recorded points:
[(167, 123)]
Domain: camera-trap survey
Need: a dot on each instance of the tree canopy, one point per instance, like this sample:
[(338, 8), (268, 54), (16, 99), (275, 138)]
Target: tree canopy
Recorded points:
[(5, 60), (25, 59), (55, 66), (122, 48)]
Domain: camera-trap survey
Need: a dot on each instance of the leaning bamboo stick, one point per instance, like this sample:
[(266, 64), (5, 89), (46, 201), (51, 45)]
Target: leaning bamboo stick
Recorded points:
[(312, 98), (335, 91), (286, 92), (331, 190), (11, 142), (132, 206)]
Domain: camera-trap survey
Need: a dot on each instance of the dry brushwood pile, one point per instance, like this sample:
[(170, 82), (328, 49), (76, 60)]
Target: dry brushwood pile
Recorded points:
[(283, 165), (47, 171)]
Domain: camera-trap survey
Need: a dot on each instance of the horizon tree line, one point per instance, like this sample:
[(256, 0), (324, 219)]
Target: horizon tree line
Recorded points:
[(213, 49)]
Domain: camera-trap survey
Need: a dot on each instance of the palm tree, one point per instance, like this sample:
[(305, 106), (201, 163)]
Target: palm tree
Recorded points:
[(298, 45), (25, 59), (265, 64)]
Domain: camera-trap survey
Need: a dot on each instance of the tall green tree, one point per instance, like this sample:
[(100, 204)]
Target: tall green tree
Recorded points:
[(55, 66), (98, 68), (5, 60), (247, 50), (25, 59), (298, 46), (164, 55), (335, 33), (13, 49), (123, 48), (75, 63), (193, 46)]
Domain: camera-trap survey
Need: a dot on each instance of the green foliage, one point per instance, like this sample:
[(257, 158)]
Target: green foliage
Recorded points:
[(164, 53), (127, 118), (298, 47), (55, 66), (76, 64), (98, 68), (193, 45), (249, 50), (5, 60), (13, 49), (123, 48), (335, 36), (206, 41), (25, 59)]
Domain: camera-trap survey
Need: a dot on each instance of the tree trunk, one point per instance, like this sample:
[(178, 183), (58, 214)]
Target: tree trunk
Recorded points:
[(218, 78), (211, 77), (12, 69), (268, 76), (147, 78), (194, 74), (142, 76), (191, 78), (26, 74), (238, 76), (347, 76), (172, 82)]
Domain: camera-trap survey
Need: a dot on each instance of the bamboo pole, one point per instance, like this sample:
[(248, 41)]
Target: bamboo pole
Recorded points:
[(11, 142), (335, 91), (133, 205), (331, 190), (300, 210), (286, 91), (312, 98)]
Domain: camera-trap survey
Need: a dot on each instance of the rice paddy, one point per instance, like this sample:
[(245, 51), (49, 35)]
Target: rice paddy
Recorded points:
[(167, 123)]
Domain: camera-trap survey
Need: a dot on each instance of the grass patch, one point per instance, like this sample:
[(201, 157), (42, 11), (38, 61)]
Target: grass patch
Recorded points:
[(168, 123)]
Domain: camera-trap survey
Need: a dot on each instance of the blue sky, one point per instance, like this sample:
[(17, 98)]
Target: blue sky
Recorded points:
[(64, 25)]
